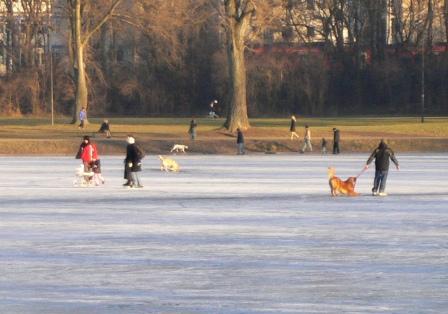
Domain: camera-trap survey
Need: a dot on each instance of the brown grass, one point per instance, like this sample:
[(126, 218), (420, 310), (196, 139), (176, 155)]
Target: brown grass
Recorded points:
[(157, 135)]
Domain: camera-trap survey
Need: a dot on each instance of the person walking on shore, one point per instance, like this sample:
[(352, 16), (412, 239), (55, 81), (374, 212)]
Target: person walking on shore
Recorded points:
[(307, 140), (381, 154), (82, 118), (192, 129), (324, 146), (240, 142), (292, 128), (336, 138)]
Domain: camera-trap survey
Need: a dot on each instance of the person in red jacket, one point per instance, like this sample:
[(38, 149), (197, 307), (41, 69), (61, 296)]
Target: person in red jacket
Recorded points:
[(87, 154), (91, 161)]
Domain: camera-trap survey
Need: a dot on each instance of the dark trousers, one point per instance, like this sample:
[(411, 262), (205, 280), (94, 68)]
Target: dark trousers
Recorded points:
[(380, 181), (127, 172), (336, 148)]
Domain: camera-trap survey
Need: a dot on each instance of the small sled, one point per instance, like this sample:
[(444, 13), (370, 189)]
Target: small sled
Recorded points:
[(82, 178)]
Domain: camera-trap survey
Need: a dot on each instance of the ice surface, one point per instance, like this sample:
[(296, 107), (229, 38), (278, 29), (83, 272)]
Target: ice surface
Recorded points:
[(229, 234)]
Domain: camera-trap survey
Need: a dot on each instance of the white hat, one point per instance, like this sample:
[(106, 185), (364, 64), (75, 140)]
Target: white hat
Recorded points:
[(130, 140)]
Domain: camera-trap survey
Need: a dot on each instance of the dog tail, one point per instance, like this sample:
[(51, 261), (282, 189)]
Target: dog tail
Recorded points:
[(331, 172)]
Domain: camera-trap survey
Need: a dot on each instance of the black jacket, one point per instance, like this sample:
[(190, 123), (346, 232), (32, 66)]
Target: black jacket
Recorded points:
[(133, 155), (382, 154), (292, 128), (104, 127), (193, 126), (240, 138), (336, 136)]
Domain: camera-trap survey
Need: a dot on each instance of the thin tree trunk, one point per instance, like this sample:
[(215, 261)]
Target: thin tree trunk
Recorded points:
[(445, 17), (79, 68)]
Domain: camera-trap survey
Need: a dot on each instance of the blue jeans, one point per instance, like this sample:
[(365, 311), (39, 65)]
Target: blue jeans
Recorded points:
[(240, 150), (380, 181)]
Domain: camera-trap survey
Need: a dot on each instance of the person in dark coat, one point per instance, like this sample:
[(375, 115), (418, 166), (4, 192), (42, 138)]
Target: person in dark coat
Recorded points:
[(381, 154), (292, 128), (240, 142), (192, 129), (336, 138), (133, 162), (324, 146)]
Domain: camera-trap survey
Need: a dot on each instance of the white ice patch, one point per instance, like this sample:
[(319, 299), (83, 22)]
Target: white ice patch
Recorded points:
[(228, 234)]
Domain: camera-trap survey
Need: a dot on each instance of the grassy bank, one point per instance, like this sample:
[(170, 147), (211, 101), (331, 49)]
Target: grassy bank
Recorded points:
[(157, 135)]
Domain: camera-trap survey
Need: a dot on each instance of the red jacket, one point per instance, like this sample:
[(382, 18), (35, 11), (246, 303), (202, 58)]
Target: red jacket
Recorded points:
[(88, 153)]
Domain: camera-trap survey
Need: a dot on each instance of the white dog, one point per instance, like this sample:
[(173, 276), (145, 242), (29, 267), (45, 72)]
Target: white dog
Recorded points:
[(179, 148), (168, 164)]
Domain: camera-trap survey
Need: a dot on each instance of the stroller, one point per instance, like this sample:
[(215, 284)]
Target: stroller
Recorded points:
[(82, 178), (89, 178)]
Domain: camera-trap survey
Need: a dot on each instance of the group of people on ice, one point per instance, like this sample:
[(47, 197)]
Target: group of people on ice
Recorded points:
[(88, 153)]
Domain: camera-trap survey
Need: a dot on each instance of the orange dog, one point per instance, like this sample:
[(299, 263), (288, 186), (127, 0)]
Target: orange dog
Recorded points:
[(337, 186)]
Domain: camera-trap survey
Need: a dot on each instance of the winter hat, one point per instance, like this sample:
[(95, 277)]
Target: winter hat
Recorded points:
[(130, 140)]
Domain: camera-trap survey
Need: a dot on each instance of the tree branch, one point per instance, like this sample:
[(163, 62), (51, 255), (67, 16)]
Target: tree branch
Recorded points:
[(106, 16)]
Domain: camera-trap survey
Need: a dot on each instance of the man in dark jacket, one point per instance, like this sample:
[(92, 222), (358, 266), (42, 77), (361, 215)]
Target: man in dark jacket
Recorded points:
[(133, 162), (336, 138), (240, 142), (192, 129), (381, 154)]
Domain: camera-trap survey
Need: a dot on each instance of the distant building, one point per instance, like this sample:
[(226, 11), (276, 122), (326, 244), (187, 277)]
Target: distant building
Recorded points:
[(27, 37)]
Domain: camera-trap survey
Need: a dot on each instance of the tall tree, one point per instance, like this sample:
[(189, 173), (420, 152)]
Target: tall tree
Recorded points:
[(445, 18), (83, 27), (241, 19)]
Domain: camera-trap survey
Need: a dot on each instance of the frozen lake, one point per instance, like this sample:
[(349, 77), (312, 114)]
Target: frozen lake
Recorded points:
[(229, 234)]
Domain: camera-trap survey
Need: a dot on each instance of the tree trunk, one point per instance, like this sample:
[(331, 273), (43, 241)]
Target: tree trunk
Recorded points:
[(79, 67), (237, 111), (445, 17)]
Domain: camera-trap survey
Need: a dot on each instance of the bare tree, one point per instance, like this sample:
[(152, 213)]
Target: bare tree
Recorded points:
[(84, 25), (241, 19), (445, 18)]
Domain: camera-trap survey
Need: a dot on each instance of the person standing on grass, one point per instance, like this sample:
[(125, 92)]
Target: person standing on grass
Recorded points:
[(192, 129), (336, 138), (381, 154), (292, 128), (133, 160), (82, 118), (240, 142), (307, 140)]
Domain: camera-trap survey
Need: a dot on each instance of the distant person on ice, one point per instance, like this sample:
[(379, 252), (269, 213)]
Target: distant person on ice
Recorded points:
[(88, 153), (82, 118), (105, 128), (87, 156), (307, 140), (381, 154), (292, 128), (336, 138), (240, 142), (133, 161)]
